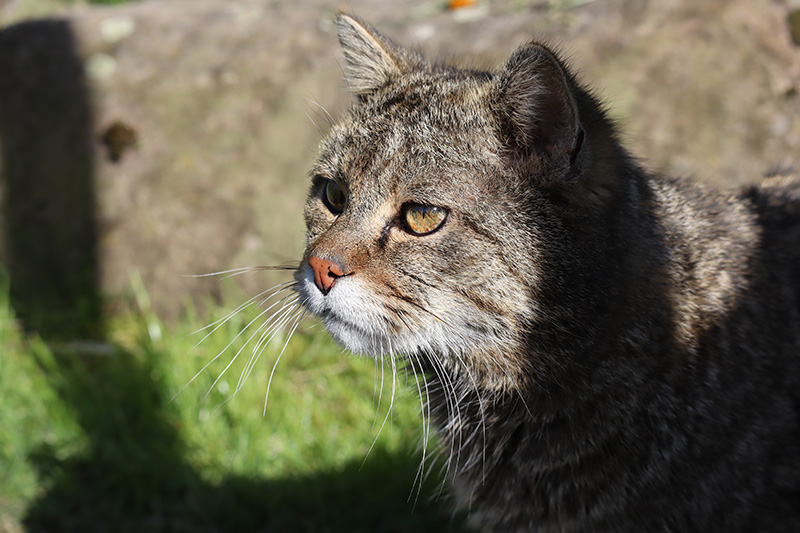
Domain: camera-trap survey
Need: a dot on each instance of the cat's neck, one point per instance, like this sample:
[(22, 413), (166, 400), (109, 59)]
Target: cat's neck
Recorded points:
[(657, 261)]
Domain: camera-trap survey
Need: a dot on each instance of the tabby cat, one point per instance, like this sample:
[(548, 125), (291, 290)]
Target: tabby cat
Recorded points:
[(605, 350)]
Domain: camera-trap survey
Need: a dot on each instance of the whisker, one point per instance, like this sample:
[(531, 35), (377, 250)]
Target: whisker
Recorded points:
[(328, 116), (451, 405), (233, 359), (275, 289), (391, 404), (374, 384), (238, 352), (300, 316), (380, 390), (316, 126), (480, 409), (223, 321), (242, 270), (271, 326), (426, 427), (383, 364), (268, 329), (453, 414)]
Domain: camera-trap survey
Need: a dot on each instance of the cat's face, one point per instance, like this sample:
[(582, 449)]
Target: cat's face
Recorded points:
[(421, 238), (419, 231)]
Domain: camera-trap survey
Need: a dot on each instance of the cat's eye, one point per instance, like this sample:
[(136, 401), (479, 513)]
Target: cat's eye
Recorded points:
[(423, 219), (334, 198)]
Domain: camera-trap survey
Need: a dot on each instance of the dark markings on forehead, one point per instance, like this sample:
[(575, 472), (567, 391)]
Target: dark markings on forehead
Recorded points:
[(396, 102), (431, 96), (409, 138)]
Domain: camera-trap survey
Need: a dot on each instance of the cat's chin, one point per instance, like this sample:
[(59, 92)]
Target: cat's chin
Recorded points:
[(355, 339)]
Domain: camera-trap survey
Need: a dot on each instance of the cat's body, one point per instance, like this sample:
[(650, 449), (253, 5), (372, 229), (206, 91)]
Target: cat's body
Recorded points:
[(605, 350)]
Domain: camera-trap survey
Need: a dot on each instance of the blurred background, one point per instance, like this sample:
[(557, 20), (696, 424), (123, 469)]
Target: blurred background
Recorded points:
[(143, 142)]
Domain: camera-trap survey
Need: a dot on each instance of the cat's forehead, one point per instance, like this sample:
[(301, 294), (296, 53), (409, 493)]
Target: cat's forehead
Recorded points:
[(440, 102), (410, 132)]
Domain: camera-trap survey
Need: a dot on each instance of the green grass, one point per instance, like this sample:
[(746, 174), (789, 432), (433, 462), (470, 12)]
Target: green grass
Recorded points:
[(93, 440)]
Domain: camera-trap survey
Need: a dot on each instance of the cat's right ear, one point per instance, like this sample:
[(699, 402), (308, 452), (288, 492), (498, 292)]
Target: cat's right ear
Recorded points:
[(371, 60), (538, 111)]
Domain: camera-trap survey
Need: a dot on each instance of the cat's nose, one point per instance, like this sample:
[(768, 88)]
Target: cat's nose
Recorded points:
[(325, 273)]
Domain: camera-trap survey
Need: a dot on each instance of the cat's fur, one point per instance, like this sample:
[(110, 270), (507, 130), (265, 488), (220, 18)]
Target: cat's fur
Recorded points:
[(605, 350)]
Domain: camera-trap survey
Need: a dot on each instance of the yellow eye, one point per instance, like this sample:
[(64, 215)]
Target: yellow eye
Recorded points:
[(423, 219), (334, 197)]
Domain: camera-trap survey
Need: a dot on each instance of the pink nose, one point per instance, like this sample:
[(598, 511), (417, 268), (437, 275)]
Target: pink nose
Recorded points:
[(325, 273)]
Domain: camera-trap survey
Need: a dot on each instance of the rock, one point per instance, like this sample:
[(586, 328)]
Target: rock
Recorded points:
[(192, 128)]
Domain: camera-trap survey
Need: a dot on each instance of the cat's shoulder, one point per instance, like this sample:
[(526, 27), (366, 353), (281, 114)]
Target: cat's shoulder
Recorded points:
[(780, 185), (776, 199)]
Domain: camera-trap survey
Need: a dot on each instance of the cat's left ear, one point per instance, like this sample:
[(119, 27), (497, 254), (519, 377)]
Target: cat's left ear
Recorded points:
[(538, 110), (371, 60)]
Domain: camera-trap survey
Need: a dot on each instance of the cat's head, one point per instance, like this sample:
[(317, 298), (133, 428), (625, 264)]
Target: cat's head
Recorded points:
[(433, 218)]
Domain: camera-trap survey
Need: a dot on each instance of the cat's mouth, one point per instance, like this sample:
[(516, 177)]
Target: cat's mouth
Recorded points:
[(356, 318), (348, 312)]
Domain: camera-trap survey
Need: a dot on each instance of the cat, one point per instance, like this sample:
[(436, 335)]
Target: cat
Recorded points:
[(604, 349)]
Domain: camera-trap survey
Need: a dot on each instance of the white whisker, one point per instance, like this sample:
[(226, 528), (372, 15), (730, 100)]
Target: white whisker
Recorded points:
[(426, 428), (391, 404), (380, 390), (480, 408), (453, 415), (219, 354), (328, 116), (316, 126), (299, 318), (269, 329), (275, 289), (237, 271)]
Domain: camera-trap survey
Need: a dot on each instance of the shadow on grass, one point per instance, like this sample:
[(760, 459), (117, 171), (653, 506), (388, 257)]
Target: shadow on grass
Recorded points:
[(133, 475)]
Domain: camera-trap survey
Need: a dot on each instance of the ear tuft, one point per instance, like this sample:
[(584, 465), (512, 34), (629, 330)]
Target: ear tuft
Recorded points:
[(538, 108), (371, 60)]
